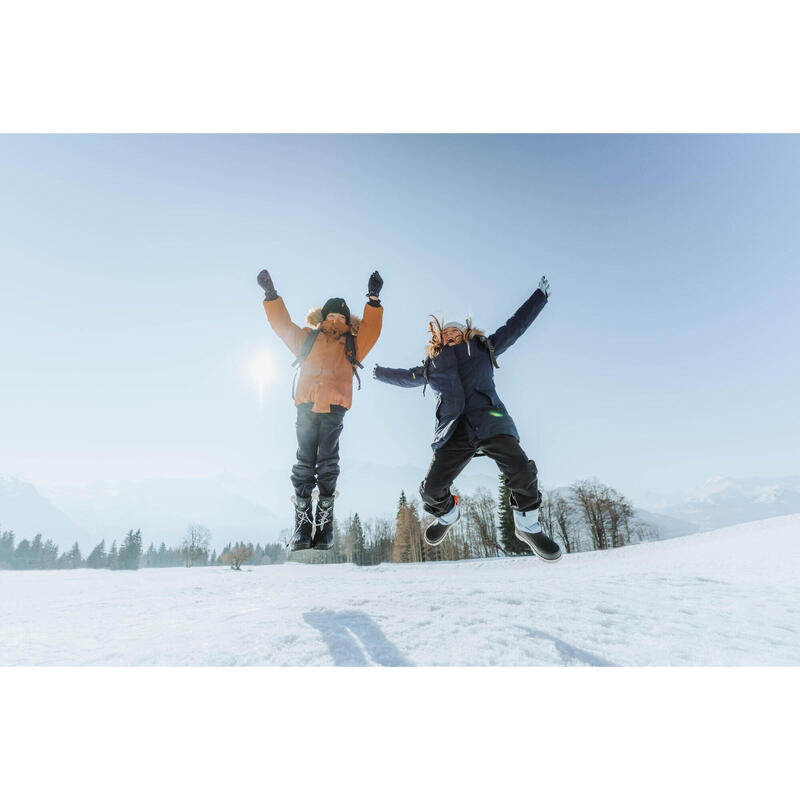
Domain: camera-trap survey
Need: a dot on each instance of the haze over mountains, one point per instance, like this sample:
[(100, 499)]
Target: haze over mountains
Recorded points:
[(259, 510), (722, 501)]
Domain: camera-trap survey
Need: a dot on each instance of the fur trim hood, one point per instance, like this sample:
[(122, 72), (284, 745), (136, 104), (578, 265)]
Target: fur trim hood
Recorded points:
[(436, 342), (314, 320)]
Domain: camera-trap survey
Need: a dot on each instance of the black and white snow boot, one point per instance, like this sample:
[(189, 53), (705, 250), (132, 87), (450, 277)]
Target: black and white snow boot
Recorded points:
[(437, 530), (303, 524), (528, 529), (323, 523)]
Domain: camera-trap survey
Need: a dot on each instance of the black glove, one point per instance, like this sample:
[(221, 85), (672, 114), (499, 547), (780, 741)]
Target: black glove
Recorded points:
[(265, 282), (375, 284)]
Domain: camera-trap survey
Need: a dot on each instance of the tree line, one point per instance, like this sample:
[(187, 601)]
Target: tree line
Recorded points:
[(43, 554), (587, 516)]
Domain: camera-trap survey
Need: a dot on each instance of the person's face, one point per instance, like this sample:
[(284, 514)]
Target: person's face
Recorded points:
[(452, 336), (333, 317)]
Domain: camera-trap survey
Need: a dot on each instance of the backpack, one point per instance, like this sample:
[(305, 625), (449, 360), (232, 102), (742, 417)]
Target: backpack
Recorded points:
[(349, 351)]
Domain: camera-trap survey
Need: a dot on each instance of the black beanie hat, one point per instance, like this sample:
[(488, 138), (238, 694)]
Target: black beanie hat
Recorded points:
[(336, 306)]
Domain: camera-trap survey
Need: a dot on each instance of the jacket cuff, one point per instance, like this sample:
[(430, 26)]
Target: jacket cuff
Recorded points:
[(374, 303), (270, 296)]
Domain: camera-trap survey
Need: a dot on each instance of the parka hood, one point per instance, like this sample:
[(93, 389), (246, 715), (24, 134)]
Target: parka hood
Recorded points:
[(314, 320)]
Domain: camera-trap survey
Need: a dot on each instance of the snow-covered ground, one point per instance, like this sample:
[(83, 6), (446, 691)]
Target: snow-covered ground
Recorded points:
[(730, 596)]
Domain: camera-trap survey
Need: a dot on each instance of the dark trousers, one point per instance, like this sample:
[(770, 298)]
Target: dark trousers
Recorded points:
[(450, 459), (317, 450)]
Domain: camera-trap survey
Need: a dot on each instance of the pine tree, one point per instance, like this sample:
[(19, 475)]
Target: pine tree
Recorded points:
[(358, 540), (150, 556), (7, 549), (97, 558), (22, 556), (407, 545), (36, 552), (131, 550), (113, 556), (74, 558), (49, 554), (508, 539)]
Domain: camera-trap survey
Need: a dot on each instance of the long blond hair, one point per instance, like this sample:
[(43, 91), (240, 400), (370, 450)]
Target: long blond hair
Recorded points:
[(436, 328)]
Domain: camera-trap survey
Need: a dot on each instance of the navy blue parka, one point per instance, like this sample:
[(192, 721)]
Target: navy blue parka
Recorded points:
[(462, 376)]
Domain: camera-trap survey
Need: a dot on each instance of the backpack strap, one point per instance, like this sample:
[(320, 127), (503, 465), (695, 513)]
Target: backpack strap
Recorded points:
[(487, 342), (298, 362), (426, 365), (350, 353)]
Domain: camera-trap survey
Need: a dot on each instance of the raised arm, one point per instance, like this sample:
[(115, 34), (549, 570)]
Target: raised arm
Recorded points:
[(406, 378), (371, 322), (292, 335), (507, 334)]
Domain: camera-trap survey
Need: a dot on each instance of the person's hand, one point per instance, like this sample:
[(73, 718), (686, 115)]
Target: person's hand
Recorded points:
[(544, 285), (375, 284), (265, 282)]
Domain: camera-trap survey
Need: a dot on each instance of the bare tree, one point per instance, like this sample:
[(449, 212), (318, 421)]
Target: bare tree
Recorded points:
[(237, 555), (194, 543), (480, 512), (608, 515), (558, 518), (565, 527)]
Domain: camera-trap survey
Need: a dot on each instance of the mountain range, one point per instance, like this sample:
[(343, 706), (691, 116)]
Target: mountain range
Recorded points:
[(723, 501)]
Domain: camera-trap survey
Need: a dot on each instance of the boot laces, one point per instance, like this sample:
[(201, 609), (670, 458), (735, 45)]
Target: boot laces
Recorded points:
[(302, 517), (324, 512)]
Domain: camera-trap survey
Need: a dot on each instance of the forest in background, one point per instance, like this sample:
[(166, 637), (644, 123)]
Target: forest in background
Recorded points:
[(587, 516)]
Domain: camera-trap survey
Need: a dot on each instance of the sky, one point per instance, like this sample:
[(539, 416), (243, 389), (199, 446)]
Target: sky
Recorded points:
[(130, 316)]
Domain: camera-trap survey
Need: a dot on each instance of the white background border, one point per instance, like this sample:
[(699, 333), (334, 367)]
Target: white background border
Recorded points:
[(379, 67)]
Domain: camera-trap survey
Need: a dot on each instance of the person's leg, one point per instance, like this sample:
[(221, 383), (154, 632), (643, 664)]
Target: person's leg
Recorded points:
[(303, 476), (525, 499), (446, 465), (304, 471), (520, 471), (330, 428)]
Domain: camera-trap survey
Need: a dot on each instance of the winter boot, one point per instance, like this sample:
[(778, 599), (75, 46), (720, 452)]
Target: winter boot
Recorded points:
[(437, 530), (323, 523), (528, 529), (303, 524)]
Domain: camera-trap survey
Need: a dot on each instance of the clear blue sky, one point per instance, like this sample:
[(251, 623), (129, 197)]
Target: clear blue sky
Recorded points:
[(129, 310)]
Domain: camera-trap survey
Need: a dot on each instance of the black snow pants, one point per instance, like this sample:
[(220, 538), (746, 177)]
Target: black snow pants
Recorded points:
[(317, 450), (450, 460)]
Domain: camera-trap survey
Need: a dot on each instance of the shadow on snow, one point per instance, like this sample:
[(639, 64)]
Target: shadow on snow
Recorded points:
[(342, 632), (568, 652)]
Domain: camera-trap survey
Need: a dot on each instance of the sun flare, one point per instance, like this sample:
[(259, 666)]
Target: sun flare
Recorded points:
[(262, 371)]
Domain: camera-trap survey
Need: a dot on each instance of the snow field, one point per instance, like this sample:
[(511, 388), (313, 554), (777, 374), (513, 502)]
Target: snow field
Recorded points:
[(727, 597)]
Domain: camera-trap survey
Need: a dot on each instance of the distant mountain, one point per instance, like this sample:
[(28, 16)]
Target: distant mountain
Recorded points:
[(667, 527), (258, 510), (728, 501), (164, 507), (26, 512)]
